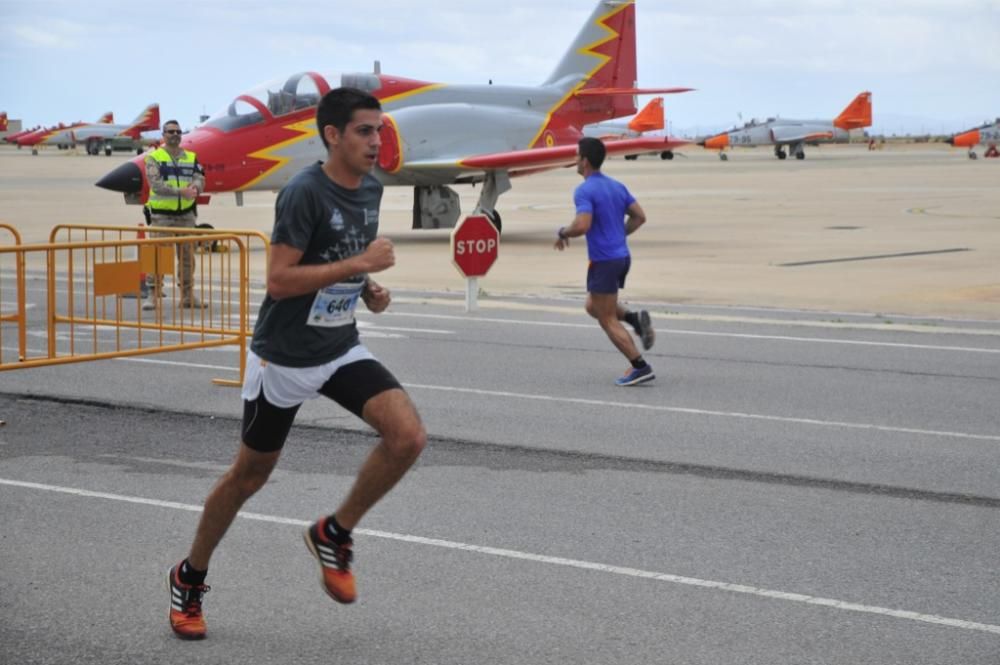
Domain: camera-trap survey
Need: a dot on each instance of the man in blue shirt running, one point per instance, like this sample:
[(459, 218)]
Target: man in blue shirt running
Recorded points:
[(606, 212)]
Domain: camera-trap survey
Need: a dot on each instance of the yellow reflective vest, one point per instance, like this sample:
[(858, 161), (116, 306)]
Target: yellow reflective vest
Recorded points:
[(178, 174)]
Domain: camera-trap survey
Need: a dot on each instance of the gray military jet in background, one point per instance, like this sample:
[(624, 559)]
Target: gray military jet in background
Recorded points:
[(795, 134)]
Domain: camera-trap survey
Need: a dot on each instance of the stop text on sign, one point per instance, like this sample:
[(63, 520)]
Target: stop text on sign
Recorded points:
[(481, 246)]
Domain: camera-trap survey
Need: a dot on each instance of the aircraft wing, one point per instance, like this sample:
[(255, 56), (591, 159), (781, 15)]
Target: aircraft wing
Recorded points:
[(563, 155), (611, 92), (798, 135)]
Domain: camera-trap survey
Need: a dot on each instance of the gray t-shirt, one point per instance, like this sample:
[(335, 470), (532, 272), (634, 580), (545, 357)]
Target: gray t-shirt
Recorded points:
[(327, 223)]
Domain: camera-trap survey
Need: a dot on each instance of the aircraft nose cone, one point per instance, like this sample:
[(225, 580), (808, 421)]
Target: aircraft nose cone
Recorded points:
[(717, 142), (126, 178)]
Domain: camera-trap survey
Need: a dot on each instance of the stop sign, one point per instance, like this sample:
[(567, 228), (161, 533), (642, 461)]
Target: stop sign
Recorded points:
[(475, 243)]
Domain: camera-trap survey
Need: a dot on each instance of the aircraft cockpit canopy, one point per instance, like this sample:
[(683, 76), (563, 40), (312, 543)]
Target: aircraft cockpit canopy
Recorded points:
[(273, 100)]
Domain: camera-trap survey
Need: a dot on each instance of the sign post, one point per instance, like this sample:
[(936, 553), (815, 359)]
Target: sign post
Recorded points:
[(475, 244)]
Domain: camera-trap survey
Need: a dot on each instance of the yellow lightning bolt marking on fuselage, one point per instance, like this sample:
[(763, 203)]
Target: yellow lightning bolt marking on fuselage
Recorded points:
[(307, 127), (585, 51), (410, 93)]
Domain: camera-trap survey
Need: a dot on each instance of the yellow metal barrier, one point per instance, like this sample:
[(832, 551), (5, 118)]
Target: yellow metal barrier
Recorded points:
[(17, 316), (251, 239), (88, 315)]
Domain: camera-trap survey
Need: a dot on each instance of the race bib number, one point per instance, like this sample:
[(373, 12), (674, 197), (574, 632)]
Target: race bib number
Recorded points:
[(334, 305)]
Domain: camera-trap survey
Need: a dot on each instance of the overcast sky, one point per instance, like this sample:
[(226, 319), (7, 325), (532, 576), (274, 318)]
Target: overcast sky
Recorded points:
[(932, 65)]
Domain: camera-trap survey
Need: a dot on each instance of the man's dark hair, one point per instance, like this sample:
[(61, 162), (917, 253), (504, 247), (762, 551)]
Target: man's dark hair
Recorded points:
[(337, 108), (171, 122), (593, 151)]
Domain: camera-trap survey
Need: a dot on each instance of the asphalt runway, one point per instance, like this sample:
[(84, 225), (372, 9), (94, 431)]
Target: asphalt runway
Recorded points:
[(801, 484)]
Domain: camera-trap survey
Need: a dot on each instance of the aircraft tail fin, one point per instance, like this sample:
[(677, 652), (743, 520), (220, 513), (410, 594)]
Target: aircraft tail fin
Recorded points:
[(106, 119), (858, 113), (149, 118), (601, 56), (650, 118), (146, 121)]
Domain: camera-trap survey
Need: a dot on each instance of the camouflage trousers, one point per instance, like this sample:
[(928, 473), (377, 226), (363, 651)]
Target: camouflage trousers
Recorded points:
[(185, 254)]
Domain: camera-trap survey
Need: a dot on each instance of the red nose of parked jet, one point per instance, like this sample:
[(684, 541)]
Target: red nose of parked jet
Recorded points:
[(127, 179)]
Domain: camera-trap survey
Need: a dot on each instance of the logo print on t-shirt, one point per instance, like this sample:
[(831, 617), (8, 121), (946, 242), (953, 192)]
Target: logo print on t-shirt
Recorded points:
[(371, 216), (337, 220)]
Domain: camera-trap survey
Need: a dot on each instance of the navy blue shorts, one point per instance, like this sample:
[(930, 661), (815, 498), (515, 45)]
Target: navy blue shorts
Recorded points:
[(607, 276)]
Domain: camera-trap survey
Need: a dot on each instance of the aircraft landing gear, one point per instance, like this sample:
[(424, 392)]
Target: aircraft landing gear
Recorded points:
[(631, 158), (494, 217), (800, 155), (667, 155), (495, 184), (779, 153), (973, 155), (723, 156)]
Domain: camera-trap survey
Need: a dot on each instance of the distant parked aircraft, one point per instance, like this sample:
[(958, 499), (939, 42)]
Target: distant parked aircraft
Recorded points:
[(987, 135), (97, 136), (32, 136), (649, 119), (795, 134)]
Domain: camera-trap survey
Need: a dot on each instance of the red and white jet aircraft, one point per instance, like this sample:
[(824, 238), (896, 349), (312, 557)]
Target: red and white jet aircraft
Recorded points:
[(434, 134), (98, 136), (34, 136)]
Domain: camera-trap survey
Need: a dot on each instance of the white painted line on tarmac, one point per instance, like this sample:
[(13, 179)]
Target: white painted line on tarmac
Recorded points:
[(365, 326), (780, 338), (705, 412), (631, 405), (153, 361), (760, 592)]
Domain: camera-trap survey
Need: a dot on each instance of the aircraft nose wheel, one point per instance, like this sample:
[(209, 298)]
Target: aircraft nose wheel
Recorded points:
[(723, 156), (800, 155), (780, 154)]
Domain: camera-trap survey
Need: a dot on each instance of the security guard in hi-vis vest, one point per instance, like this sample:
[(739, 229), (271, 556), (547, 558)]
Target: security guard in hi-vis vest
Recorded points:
[(175, 181)]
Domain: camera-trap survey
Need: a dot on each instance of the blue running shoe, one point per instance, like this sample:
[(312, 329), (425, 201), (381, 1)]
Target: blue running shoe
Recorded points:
[(636, 376)]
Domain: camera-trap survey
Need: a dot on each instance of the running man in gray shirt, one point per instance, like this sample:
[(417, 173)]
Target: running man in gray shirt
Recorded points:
[(305, 343)]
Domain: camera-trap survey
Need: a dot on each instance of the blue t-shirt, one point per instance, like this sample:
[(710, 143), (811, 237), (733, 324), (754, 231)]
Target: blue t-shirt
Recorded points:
[(607, 201)]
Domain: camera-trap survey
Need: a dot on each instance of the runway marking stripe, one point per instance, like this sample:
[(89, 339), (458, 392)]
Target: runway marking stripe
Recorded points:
[(706, 412), (550, 560), (632, 405), (782, 338)]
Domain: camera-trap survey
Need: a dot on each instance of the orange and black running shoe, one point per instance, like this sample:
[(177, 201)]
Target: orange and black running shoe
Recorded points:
[(186, 618), (334, 563)]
